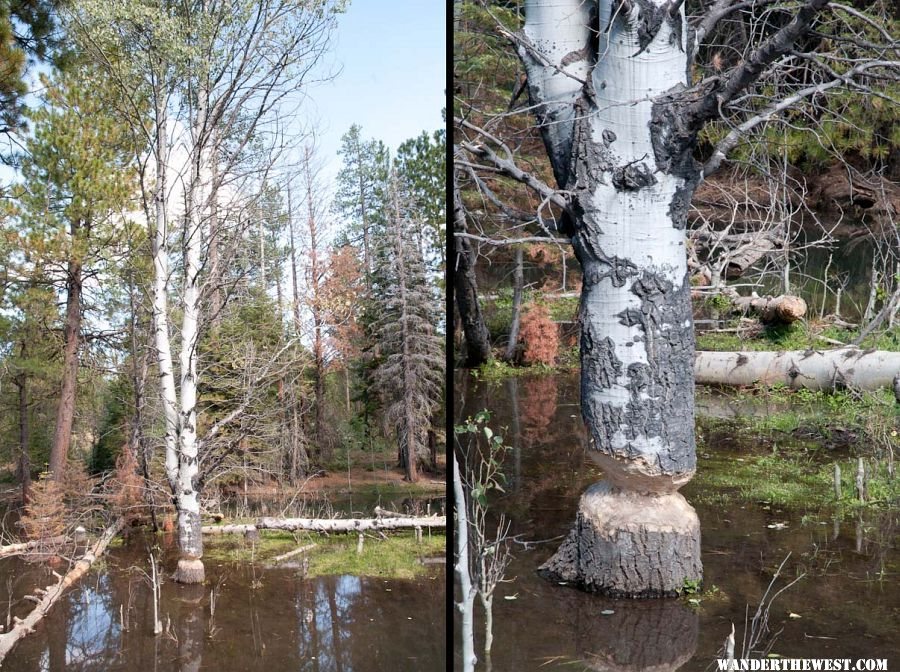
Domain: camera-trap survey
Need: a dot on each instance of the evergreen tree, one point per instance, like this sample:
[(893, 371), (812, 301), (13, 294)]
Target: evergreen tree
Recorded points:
[(360, 197), (26, 33), (410, 371), (78, 183), (422, 172)]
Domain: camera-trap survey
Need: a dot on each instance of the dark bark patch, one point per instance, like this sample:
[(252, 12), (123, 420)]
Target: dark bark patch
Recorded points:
[(601, 356), (618, 270), (649, 21), (634, 564), (632, 177), (672, 136), (662, 402)]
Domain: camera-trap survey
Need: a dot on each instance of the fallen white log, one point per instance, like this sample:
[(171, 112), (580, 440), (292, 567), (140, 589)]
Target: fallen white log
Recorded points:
[(291, 554), (811, 369), (26, 546), (329, 524), (52, 593)]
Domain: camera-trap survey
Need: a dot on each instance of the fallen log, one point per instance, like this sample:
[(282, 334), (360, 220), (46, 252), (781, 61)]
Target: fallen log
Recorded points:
[(329, 524), (51, 594), (771, 309), (810, 369), (27, 546), (291, 554)]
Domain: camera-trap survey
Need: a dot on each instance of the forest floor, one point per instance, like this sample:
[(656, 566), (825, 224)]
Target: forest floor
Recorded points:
[(360, 471)]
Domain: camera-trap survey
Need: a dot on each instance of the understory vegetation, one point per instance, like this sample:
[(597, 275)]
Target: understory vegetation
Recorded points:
[(398, 556)]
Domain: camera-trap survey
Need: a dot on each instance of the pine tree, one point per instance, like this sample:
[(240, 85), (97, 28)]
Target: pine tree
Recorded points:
[(422, 171), (410, 372), (78, 182), (26, 33), (361, 200), (360, 196)]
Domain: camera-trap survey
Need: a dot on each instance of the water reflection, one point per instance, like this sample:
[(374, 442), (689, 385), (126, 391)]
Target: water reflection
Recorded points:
[(848, 601), (639, 635), (264, 619)]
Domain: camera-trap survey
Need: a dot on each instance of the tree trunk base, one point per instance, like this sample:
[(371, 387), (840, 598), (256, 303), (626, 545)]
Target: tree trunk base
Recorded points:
[(630, 544), (190, 570)]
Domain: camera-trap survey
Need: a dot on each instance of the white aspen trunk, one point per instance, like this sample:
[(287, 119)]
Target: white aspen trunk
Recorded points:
[(160, 300), (190, 540), (467, 605), (560, 32), (635, 536)]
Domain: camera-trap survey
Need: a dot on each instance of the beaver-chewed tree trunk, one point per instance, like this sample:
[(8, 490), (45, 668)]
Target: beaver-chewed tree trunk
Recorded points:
[(630, 177), (611, 89)]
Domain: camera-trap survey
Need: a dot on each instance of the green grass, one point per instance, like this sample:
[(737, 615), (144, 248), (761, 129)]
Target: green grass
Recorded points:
[(818, 412), (795, 336), (497, 370), (234, 548), (797, 475), (396, 557)]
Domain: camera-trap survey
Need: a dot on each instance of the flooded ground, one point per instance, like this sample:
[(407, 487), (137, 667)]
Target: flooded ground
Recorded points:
[(846, 606), (246, 617)]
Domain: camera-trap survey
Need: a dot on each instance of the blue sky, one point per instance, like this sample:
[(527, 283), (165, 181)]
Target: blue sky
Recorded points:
[(393, 54), (392, 60)]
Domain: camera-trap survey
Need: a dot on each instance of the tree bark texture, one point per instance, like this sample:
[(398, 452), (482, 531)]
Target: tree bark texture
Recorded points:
[(65, 413), (811, 369), (518, 282), (465, 287), (322, 448), (628, 543), (630, 176), (23, 470), (187, 500)]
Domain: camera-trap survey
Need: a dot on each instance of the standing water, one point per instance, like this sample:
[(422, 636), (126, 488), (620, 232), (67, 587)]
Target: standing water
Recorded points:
[(847, 605), (245, 617)]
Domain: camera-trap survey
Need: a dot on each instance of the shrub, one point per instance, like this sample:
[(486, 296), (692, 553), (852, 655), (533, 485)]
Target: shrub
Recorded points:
[(540, 335)]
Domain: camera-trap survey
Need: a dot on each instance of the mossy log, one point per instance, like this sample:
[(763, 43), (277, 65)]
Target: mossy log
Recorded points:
[(330, 524), (52, 593), (810, 369)]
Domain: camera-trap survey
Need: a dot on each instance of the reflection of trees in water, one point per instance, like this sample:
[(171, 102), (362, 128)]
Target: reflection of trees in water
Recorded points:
[(540, 421), (191, 629), (328, 624), (538, 408), (82, 630), (325, 611)]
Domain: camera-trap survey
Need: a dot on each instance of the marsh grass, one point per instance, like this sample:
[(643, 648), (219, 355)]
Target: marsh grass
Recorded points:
[(797, 475), (396, 556)]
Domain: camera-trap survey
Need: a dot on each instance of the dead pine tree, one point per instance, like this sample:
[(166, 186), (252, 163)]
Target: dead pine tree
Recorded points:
[(410, 376)]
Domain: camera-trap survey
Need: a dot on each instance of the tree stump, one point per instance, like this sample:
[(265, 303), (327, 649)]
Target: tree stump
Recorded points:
[(627, 543)]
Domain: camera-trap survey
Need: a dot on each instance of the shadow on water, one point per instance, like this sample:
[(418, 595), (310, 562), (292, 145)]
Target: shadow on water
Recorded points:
[(846, 606), (264, 618)]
